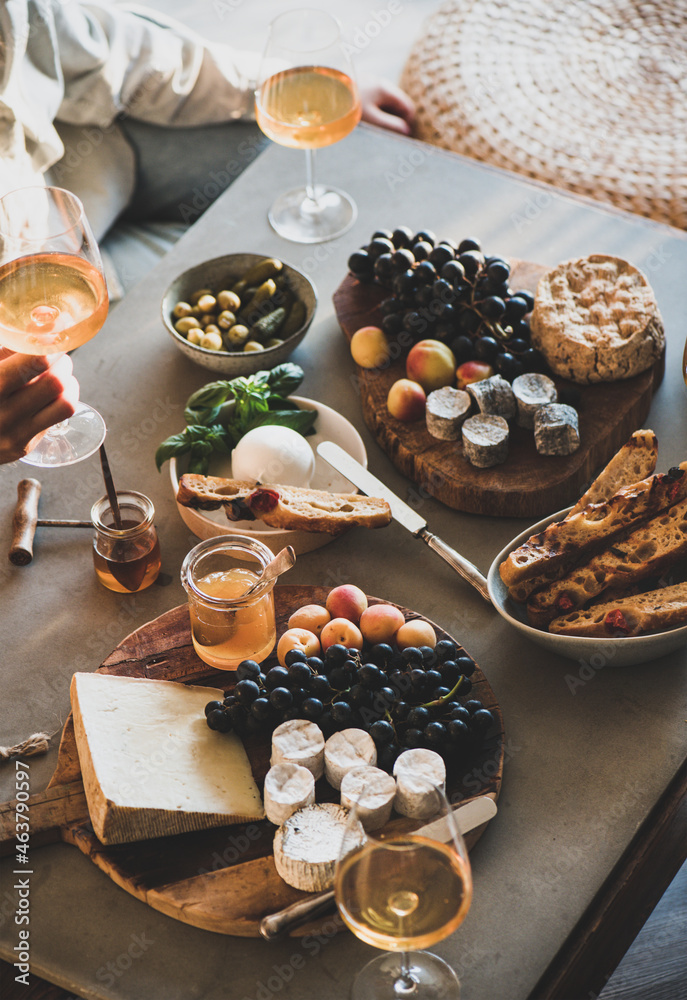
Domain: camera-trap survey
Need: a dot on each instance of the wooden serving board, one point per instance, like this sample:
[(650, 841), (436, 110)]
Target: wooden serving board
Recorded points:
[(527, 484), (221, 880)]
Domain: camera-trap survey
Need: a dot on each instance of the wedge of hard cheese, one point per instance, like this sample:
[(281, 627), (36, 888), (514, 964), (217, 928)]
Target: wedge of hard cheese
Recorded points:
[(150, 764)]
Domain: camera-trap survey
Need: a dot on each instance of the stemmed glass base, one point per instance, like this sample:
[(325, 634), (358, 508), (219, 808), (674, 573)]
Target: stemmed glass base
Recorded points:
[(69, 441), (424, 977), (302, 219)]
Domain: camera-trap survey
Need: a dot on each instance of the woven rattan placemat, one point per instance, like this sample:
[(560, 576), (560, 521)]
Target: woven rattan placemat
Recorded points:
[(589, 95)]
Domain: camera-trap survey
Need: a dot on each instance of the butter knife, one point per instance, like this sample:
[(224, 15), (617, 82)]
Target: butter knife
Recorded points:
[(401, 512), (468, 817)]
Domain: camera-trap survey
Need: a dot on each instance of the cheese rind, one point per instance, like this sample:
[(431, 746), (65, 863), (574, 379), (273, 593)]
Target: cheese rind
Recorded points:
[(288, 787), (308, 844), (151, 766), (372, 791), (417, 772), (345, 750), (299, 741)]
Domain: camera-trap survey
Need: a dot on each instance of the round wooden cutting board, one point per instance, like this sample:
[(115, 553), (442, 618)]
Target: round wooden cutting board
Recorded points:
[(224, 879), (527, 484)]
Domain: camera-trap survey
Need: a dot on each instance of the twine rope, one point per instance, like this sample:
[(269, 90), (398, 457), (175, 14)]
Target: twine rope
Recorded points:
[(32, 746)]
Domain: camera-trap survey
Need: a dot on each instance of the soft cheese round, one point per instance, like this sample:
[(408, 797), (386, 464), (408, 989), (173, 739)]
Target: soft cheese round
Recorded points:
[(308, 844), (595, 319), (288, 787), (345, 750), (299, 741), (417, 771), (372, 791)]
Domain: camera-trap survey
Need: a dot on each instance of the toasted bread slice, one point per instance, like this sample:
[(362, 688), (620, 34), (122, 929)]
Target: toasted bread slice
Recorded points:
[(633, 462), (563, 544), (645, 552), (290, 507), (654, 611)]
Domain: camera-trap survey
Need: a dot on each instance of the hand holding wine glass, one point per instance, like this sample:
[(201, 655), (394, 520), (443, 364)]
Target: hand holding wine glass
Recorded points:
[(35, 393), (408, 887), (307, 98), (53, 298)]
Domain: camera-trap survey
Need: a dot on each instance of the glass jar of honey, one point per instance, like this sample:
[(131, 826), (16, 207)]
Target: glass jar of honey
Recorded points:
[(126, 556), (228, 624)]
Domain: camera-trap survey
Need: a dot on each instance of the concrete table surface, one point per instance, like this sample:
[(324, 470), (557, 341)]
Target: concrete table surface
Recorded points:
[(588, 753)]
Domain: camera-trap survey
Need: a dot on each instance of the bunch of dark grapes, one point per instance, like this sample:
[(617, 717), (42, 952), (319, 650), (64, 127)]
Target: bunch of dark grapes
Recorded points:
[(410, 698), (450, 292)]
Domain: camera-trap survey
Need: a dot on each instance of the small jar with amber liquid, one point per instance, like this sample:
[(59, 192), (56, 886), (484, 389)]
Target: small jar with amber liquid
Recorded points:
[(126, 557)]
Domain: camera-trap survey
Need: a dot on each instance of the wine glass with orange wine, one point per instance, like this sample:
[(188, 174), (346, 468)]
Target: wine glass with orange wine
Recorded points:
[(53, 298), (306, 98), (407, 887)]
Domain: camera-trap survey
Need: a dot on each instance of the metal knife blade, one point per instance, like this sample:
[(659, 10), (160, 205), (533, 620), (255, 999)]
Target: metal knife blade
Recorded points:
[(402, 513), (468, 817)]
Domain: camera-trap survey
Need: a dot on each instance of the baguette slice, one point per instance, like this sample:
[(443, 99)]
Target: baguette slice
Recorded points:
[(563, 544), (290, 507), (645, 552), (640, 614), (633, 462)]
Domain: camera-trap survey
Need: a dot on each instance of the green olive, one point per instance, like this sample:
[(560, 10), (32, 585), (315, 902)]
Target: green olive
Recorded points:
[(236, 336), (228, 300), (253, 345), (213, 328), (211, 341), (226, 319), (181, 309), (185, 324), (195, 336), (207, 303), (193, 299)]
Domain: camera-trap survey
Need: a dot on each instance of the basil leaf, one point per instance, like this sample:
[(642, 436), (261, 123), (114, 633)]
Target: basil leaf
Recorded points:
[(298, 420), (190, 437), (199, 458), (211, 395), (277, 403), (285, 379)]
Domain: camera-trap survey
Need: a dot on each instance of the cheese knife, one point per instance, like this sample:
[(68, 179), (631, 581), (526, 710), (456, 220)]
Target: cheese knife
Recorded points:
[(468, 817), (401, 512)]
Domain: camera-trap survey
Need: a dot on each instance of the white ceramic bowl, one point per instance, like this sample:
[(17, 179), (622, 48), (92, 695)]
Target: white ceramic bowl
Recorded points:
[(220, 272), (329, 426), (597, 653)]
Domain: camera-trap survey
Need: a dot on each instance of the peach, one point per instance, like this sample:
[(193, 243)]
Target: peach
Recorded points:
[(298, 638), (312, 617), (346, 601), (370, 348), (432, 364), (341, 630), (406, 400), (381, 622), (472, 371), (416, 633)]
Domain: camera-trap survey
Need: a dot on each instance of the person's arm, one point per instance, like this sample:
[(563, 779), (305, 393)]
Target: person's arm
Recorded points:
[(119, 60), (35, 393), (386, 105)]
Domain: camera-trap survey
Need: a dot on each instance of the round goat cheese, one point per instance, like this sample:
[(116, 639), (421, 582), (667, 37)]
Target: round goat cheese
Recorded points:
[(485, 440), (345, 750), (445, 411), (299, 741), (308, 844), (372, 791), (532, 391), (288, 787), (556, 429), (493, 396), (416, 770)]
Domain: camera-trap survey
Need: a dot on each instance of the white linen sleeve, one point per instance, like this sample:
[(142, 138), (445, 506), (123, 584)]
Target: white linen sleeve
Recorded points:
[(127, 60)]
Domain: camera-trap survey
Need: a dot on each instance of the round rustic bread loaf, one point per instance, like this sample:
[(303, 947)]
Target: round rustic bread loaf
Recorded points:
[(595, 319)]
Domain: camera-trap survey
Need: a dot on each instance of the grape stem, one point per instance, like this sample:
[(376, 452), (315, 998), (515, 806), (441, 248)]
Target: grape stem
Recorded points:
[(446, 697)]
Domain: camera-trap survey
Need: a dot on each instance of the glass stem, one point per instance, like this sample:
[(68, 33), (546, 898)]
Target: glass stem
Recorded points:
[(405, 985), (310, 175)]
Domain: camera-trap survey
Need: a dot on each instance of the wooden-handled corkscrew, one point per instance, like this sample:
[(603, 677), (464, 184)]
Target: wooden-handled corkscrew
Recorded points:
[(26, 520)]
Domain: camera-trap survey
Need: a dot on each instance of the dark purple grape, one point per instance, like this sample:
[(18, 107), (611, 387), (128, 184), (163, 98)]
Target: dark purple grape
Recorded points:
[(386, 756), (473, 705), (299, 674), (469, 322), (469, 244), (417, 679), (453, 272), (421, 250), (429, 657), (516, 309), (466, 665), (261, 709), (276, 677), (219, 721), (382, 732), (492, 307), (238, 715), (498, 270), (316, 664), (319, 687), (371, 676), (392, 324), (463, 348), (435, 733), (412, 655), (341, 713), (360, 263), (400, 710), (449, 672), (384, 268), (487, 349), (426, 236), (390, 306), (402, 236), (246, 691), (312, 708), (508, 366), (426, 272), (336, 655), (532, 361), (213, 706), (381, 654), (472, 261), (360, 696), (458, 732), (432, 679), (442, 691), (481, 720), (460, 712), (380, 246), (402, 259), (413, 738), (247, 670), (441, 254), (418, 717), (281, 698)]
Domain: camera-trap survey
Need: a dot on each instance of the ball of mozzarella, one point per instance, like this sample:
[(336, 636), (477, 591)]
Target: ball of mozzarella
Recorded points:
[(273, 454)]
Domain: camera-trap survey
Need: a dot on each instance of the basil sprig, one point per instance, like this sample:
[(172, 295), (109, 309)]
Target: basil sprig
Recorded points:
[(220, 413)]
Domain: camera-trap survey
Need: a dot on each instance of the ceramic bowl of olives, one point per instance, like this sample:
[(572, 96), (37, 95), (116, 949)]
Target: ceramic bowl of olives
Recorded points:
[(240, 313)]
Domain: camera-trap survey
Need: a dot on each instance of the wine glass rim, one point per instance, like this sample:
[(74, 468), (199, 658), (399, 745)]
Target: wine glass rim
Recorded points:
[(333, 20), (44, 188)]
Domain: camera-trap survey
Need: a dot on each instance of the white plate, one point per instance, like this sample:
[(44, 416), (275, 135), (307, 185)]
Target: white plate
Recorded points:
[(329, 426), (621, 652)]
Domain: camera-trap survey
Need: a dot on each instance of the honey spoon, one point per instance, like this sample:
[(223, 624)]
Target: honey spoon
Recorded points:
[(282, 562)]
